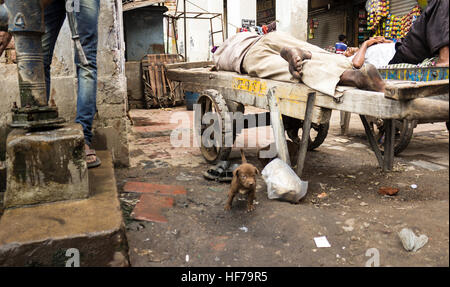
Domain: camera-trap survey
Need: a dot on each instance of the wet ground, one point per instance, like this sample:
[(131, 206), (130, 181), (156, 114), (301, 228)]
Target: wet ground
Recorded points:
[(353, 216)]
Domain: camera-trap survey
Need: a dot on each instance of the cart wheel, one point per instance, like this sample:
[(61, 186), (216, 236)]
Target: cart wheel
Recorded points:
[(317, 136), (403, 133), (211, 101)]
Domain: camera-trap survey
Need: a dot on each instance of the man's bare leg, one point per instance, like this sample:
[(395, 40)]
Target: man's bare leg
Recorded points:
[(443, 57), (295, 57), (366, 78)]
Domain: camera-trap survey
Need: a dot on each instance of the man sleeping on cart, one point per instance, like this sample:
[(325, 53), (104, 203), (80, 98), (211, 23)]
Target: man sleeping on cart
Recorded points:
[(279, 56)]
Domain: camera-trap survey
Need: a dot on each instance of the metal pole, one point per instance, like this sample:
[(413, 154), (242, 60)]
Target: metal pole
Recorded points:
[(185, 31), (225, 20)]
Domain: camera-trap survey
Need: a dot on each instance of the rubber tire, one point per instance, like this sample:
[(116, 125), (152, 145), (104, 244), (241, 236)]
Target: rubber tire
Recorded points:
[(292, 126), (405, 137), (221, 107)]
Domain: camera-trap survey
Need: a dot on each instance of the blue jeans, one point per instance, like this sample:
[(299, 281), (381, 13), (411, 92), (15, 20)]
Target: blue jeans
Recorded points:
[(87, 21)]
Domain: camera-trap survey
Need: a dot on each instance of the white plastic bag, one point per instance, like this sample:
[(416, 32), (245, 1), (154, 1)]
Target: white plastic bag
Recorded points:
[(410, 241), (282, 182)]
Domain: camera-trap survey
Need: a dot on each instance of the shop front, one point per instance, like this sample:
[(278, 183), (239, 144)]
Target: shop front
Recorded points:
[(360, 19)]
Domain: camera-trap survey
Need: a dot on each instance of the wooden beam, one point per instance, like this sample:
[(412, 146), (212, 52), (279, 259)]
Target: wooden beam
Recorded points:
[(278, 128), (407, 90), (305, 134)]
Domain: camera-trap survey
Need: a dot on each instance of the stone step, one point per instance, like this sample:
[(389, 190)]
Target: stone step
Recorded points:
[(41, 235)]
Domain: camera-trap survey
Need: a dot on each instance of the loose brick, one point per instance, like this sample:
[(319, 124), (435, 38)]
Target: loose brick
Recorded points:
[(151, 208), (153, 188)]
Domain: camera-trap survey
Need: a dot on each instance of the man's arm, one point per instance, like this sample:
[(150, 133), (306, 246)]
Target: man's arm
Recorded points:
[(360, 57)]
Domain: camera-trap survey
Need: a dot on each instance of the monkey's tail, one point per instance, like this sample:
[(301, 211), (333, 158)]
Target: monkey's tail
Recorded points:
[(244, 160)]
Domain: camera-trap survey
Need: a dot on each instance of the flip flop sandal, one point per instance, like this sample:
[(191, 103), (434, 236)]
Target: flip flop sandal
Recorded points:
[(228, 175), (218, 171), (97, 161)]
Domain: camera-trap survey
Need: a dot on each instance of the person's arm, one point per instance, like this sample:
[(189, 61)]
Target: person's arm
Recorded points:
[(360, 57)]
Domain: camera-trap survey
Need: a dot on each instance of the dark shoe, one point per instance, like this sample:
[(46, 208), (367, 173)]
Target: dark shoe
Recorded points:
[(219, 172)]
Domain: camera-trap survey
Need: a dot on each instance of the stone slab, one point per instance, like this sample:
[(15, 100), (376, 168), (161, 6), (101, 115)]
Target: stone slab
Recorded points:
[(45, 166), (40, 235), (428, 165)]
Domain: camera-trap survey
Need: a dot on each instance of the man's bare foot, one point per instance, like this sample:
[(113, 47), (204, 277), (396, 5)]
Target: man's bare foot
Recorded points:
[(443, 57), (295, 56), (366, 78)]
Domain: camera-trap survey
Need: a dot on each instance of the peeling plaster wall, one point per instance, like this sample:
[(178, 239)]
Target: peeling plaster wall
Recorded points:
[(111, 123)]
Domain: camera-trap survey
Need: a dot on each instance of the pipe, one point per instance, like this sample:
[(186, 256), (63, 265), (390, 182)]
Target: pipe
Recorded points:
[(185, 32), (27, 26)]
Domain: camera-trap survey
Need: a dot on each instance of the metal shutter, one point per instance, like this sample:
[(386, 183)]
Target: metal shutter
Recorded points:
[(331, 25), (402, 7)]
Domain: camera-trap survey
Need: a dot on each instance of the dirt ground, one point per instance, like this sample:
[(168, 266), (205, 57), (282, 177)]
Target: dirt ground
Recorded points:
[(353, 216)]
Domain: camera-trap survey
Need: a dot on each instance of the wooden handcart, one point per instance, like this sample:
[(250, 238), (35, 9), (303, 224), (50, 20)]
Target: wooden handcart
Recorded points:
[(293, 106)]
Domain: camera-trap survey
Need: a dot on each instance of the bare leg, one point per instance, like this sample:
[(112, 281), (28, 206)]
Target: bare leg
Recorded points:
[(366, 78), (295, 56), (443, 57)]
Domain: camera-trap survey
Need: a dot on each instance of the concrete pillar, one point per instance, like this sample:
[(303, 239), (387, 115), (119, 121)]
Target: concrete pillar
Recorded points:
[(293, 17), (45, 166)]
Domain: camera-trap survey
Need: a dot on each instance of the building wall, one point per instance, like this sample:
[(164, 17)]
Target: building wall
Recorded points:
[(111, 124), (144, 32), (199, 42), (238, 10), (292, 17)]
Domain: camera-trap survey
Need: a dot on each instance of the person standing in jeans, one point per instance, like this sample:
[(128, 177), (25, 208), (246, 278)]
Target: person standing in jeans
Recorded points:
[(87, 22)]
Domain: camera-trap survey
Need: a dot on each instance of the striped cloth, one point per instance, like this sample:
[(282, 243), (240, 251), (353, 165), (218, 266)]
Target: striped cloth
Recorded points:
[(430, 62)]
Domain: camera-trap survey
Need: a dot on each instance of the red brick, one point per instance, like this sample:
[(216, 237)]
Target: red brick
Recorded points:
[(388, 191), (153, 188), (151, 208), (219, 243)]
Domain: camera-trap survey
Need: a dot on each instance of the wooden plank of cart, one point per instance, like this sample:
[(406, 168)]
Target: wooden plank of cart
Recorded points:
[(294, 105)]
